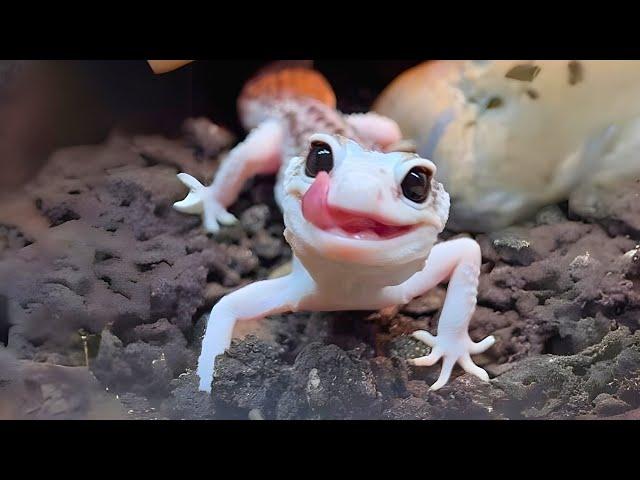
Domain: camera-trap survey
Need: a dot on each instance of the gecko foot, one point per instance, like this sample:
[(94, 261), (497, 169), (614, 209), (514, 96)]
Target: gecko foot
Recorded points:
[(201, 200), (452, 349)]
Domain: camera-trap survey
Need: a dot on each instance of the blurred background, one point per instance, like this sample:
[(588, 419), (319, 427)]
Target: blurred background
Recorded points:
[(45, 105)]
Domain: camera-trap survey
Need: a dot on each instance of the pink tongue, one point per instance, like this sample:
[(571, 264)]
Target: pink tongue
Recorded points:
[(316, 210), (314, 203)]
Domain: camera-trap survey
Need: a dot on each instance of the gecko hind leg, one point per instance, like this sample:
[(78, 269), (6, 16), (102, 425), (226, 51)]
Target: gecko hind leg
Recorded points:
[(376, 128)]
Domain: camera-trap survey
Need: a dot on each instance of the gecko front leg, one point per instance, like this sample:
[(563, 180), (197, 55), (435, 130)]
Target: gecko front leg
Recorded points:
[(459, 260), (260, 153), (255, 301)]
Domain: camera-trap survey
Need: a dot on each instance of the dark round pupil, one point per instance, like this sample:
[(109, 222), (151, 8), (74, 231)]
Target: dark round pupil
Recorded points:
[(320, 159), (416, 184)]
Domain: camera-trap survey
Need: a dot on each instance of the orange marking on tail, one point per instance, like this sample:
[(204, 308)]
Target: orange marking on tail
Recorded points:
[(289, 82)]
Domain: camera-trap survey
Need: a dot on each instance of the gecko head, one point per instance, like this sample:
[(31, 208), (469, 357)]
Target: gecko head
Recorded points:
[(351, 205)]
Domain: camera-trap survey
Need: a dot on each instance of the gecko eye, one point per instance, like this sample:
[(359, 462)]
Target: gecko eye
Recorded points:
[(416, 184), (319, 159)]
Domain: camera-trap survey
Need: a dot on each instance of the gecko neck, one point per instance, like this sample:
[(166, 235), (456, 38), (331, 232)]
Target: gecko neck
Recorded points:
[(348, 277), (300, 117)]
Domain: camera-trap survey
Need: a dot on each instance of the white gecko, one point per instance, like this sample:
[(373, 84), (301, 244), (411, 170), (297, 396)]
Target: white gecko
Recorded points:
[(362, 225)]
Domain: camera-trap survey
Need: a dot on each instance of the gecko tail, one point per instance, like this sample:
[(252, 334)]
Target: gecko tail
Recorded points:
[(194, 201), (278, 81)]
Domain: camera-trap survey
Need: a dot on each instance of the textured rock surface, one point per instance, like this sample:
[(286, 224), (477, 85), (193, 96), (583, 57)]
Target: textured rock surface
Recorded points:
[(44, 391), (97, 270)]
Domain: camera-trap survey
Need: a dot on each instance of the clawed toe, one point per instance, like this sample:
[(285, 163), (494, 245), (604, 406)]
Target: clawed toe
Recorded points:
[(427, 360), (424, 337), (452, 350), (467, 364), (483, 345)]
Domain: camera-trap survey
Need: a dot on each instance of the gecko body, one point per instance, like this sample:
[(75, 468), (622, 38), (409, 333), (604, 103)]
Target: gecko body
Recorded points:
[(362, 224)]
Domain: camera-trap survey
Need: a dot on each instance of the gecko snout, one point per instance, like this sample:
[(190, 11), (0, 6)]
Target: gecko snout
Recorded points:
[(362, 192), (343, 219)]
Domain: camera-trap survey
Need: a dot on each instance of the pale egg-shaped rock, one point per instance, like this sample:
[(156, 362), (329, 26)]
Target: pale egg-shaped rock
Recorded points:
[(511, 136)]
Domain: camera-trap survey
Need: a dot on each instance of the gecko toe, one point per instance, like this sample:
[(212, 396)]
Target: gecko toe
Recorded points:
[(482, 346), (467, 364)]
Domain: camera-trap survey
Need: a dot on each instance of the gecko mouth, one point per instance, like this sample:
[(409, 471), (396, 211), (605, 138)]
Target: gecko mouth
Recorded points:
[(342, 222), (363, 228)]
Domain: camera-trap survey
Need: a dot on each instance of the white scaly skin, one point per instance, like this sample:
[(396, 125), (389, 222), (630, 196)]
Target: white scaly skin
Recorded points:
[(335, 270)]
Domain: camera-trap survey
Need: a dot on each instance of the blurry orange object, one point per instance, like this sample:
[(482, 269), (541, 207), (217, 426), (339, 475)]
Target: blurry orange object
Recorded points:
[(164, 66)]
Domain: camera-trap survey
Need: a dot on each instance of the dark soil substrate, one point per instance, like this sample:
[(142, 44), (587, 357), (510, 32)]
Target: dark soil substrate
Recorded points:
[(97, 268)]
